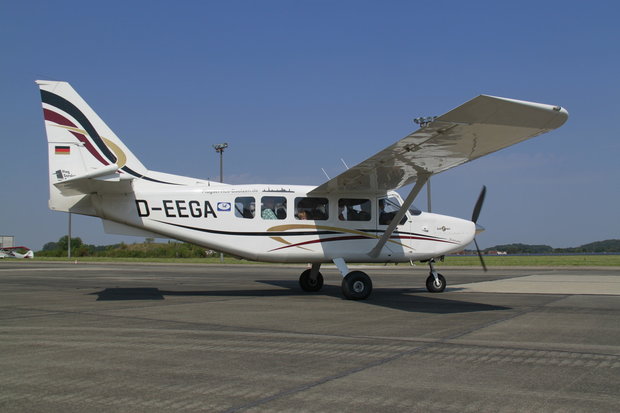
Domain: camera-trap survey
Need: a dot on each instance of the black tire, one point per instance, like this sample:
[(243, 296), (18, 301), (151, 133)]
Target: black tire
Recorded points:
[(309, 285), (432, 287), (356, 286)]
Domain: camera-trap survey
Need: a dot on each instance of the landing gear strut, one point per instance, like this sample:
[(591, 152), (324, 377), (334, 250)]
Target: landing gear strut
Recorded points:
[(435, 283)]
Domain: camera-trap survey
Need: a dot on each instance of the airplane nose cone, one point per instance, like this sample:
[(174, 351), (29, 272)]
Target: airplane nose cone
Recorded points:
[(479, 229)]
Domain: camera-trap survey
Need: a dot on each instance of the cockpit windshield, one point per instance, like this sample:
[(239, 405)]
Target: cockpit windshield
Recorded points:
[(394, 200), (389, 207), (414, 210)]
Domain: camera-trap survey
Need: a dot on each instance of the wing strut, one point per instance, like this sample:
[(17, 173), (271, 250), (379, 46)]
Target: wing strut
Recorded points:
[(401, 213)]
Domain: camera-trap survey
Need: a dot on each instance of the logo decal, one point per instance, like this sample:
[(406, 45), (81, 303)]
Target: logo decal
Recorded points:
[(223, 206)]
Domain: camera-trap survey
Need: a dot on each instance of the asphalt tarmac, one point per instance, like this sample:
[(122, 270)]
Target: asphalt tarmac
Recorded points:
[(198, 338)]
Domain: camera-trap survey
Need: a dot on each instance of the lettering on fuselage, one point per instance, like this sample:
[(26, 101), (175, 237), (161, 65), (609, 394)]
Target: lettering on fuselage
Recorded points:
[(176, 208)]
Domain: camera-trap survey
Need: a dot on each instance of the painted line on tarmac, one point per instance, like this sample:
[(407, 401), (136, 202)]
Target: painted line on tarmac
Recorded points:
[(547, 284)]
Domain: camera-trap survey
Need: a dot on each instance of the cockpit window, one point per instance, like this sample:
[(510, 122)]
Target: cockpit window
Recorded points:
[(388, 208)]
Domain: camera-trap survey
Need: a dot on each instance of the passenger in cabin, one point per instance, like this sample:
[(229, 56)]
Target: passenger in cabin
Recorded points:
[(384, 217), (268, 208)]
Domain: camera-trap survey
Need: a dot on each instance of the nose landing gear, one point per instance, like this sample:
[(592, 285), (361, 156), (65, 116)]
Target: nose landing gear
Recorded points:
[(435, 283)]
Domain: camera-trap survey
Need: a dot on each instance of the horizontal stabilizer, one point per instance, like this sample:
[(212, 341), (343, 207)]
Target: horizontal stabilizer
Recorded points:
[(93, 181)]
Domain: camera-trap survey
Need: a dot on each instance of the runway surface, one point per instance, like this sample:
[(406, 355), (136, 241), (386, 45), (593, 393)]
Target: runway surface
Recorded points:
[(197, 338)]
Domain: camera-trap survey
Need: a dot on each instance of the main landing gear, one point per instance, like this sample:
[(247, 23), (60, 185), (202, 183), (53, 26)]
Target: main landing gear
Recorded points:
[(356, 285), (311, 280)]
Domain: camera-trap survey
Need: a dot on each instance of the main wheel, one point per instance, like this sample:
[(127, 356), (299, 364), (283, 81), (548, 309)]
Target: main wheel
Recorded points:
[(356, 285), (310, 285), (433, 286)]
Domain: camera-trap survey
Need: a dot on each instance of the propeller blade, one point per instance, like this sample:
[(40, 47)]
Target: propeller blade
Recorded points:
[(479, 202), (484, 267)]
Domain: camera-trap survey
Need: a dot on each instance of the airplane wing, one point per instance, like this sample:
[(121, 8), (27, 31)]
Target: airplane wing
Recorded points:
[(479, 127)]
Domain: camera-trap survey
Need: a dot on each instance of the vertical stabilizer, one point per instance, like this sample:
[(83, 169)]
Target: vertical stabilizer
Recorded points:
[(80, 143)]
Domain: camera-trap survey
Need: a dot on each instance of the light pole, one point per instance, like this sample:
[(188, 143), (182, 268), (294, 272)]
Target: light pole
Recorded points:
[(69, 239), (219, 147)]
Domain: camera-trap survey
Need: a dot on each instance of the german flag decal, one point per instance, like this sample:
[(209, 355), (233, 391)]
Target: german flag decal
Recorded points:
[(62, 150)]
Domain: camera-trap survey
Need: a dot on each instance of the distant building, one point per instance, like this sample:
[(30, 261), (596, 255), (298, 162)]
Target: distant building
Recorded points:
[(7, 241)]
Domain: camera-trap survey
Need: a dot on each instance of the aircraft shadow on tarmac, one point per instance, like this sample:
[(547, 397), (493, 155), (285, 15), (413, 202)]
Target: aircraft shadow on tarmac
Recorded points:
[(404, 299)]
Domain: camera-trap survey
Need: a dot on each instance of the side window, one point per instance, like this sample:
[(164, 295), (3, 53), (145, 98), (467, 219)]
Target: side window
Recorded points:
[(350, 209), (273, 207), (245, 206), (312, 208), (388, 208)]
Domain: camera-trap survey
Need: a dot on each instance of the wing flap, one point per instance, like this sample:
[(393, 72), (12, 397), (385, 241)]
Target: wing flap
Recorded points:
[(479, 127)]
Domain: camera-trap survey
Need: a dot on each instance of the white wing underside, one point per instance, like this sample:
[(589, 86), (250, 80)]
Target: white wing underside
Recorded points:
[(479, 127)]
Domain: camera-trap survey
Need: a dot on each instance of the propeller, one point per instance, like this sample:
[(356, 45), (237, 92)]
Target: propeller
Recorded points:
[(474, 218)]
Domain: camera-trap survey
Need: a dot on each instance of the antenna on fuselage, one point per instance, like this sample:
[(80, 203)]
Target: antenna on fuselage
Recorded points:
[(344, 163), (328, 178), (424, 121)]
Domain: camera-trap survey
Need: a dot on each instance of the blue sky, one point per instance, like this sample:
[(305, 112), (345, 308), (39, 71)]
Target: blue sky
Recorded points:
[(293, 87)]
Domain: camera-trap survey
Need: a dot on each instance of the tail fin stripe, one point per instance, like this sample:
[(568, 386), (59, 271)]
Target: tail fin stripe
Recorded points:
[(134, 173), (57, 118), (99, 147), (59, 102)]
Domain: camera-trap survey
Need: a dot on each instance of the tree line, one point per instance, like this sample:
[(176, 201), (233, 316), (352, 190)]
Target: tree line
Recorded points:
[(147, 249), (611, 245)]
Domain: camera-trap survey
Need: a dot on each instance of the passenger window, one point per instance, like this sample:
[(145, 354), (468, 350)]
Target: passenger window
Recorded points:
[(388, 208), (316, 209), (245, 207), (273, 207), (350, 209)]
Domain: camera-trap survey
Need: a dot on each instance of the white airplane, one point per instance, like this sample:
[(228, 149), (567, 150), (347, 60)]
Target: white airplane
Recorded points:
[(352, 218), (16, 252)]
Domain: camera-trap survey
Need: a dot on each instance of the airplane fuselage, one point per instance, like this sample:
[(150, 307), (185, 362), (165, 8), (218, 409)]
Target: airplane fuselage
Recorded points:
[(281, 223)]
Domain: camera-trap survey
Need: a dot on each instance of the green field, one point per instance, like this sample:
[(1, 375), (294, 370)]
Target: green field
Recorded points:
[(536, 260), (473, 261)]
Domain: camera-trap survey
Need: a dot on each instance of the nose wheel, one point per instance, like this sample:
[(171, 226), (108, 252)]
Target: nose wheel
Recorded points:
[(435, 283)]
